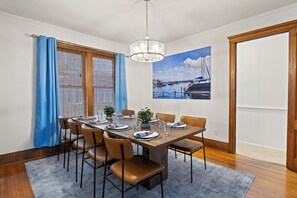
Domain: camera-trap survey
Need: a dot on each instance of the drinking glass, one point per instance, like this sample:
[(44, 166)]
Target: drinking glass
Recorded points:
[(161, 122), (99, 115), (167, 129), (154, 126), (114, 118), (103, 115), (134, 122)]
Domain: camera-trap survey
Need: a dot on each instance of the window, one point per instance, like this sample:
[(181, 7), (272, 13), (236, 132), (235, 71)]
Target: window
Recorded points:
[(86, 78), (103, 83)]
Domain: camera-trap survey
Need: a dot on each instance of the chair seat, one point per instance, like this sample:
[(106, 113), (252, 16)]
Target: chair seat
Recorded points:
[(136, 169), (100, 154), (187, 145), (80, 144), (73, 137)]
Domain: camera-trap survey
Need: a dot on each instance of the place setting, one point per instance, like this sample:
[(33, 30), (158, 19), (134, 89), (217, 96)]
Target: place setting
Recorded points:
[(178, 125), (84, 118), (117, 126), (146, 135)]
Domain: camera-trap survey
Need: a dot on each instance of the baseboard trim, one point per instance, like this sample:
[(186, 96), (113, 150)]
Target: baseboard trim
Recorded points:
[(223, 146), (27, 155)]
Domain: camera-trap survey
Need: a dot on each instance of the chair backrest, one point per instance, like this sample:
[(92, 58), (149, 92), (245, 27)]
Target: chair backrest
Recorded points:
[(89, 137), (194, 121), (113, 147), (63, 121), (166, 117), (75, 127), (127, 112)]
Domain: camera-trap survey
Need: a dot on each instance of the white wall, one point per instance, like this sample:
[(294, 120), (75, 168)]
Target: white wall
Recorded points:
[(18, 75), (262, 91), (215, 110), (18, 69)]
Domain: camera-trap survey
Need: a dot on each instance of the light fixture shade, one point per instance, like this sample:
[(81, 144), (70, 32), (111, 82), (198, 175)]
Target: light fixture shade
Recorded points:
[(147, 50)]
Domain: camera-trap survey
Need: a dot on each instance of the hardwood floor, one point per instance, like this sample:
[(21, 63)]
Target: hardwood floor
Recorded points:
[(271, 180), (261, 153), (14, 182)]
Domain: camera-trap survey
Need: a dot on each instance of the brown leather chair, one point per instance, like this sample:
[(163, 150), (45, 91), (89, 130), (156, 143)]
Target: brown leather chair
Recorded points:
[(127, 112), (132, 169), (76, 137), (188, 146), (166, 117), (94, 139)]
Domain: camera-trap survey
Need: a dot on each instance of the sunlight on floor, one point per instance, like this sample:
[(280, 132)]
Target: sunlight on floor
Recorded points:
[(261, 153)]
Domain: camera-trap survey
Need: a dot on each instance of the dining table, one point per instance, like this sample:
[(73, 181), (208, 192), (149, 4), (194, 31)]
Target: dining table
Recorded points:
[(155, 149)]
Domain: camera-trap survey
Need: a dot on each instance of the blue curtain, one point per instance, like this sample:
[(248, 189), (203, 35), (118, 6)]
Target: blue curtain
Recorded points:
[(47, 98), (120, 83)]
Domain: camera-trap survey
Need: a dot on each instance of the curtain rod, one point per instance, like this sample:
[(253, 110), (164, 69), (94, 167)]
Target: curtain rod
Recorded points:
[(37, 36)]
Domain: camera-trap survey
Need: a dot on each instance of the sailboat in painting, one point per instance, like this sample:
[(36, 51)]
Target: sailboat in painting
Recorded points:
[(200, 86)]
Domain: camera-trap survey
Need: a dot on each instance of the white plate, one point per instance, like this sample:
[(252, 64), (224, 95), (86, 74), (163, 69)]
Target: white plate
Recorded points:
[(120, 126), (86, 118), (127, 117), (101, 126), (154, 120), (153, 135), (102, 121), (179, 126)]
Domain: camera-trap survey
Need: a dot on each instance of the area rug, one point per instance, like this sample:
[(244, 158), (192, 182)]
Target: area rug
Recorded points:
[(48, 178)]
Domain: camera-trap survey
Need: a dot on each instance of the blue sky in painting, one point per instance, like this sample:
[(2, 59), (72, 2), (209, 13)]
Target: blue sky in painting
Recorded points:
[(183, 66)]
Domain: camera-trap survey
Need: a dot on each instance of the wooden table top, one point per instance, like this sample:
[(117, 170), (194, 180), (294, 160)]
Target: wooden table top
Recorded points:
[(175, 135)]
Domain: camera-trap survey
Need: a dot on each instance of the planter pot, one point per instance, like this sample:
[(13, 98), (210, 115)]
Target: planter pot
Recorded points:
[(109, 118), (145, 125)]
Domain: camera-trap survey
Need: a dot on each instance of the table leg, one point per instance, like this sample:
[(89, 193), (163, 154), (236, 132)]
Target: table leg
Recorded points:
[(159, 156)]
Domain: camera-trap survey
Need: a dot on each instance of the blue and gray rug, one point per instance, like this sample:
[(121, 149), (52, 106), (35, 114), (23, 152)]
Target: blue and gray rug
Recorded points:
[(49, 179)]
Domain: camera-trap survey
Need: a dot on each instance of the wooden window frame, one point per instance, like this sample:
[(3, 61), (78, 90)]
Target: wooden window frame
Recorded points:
[(87, 71)]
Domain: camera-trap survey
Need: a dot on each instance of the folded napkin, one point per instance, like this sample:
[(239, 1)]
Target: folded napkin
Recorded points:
[(143, 134), (112, 126), (177, 124)]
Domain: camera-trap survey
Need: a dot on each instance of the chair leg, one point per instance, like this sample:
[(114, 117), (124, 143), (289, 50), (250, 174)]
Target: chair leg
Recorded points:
[(175, 154), (69, 152), (161, 178), (123, 189), (76, 162), (65, 145), (137, 149), (191, 169), (184, 156), (95, 176), (204, 150), (82, 165), (104, 180), (204, 157), (59, 144)]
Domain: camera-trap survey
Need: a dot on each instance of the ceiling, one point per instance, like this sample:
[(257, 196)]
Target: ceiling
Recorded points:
[(122, 21)]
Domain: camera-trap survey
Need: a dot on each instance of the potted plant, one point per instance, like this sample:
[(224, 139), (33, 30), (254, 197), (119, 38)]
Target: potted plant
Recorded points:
[(108, 110), (144, 116)]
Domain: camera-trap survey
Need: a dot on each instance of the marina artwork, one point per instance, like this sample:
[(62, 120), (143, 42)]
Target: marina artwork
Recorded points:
[(185, 75)]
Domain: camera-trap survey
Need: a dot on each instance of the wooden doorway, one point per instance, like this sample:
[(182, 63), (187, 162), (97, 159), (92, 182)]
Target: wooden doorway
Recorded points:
[(291, 28)]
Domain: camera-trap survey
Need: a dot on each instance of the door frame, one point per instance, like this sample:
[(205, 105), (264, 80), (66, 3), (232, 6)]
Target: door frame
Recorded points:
[(287, 27)]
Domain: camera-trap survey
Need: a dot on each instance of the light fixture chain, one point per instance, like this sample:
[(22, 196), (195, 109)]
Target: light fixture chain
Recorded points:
[(146, 2)]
